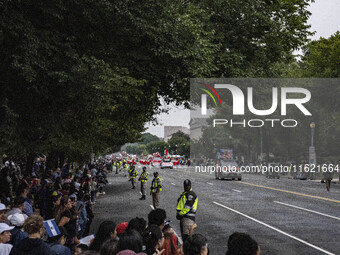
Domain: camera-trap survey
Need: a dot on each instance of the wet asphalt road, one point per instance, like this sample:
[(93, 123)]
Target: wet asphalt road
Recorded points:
[(284, 216)]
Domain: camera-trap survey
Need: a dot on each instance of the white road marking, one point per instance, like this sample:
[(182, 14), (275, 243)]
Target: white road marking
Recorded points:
[(308, 210), (237, 190), (140, 192), (173, 184), (153, 208), (210, 183), (276, 229)]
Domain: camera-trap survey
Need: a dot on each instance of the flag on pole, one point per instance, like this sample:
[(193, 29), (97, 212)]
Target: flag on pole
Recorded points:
[(51, 228)]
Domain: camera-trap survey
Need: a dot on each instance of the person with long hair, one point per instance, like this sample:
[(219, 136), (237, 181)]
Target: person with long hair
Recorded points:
[(153, 240), (68, 220), (106, 231)]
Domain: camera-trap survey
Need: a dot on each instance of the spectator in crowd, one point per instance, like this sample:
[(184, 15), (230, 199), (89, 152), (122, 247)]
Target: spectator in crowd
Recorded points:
[(44, 198), (80, 249), (56, 243), (89, 214), (3, 213), (17, 207), (106, 231), (57, 184), (109, 247), (170, 241), (157, 217), (33, 245), (56, 174), (121, 227), (5, 236), (153, 240), (242, 244), (23, 191), (138, 224), (130, 240), (53, 208), (196, 244), (17, 234), (68, 220)]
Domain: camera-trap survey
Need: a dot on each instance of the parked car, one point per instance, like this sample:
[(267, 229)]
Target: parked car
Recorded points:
[(166, 163), (228, 169), (301, 176)]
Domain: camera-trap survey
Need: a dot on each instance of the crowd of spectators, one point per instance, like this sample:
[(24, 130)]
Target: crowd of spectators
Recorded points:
[(67, 196)]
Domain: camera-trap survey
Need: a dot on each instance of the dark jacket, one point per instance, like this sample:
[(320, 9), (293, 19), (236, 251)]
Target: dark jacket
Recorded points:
[(60, 249), (32, 246), (17, 235)]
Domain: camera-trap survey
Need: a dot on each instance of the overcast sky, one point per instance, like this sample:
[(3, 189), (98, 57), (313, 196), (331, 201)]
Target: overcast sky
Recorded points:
[(325, 21)]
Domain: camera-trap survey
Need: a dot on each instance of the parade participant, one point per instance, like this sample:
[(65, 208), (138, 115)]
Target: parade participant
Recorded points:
[(186, 209), (143, 181), (156, 188)]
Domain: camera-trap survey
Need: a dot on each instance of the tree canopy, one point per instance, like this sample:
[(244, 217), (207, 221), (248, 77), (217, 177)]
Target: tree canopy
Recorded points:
[(81, 77)]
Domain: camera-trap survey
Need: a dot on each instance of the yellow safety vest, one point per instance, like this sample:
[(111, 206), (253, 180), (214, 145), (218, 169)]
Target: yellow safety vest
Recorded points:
[(154, 185), (134, 173), (144, 176), (183, 208)]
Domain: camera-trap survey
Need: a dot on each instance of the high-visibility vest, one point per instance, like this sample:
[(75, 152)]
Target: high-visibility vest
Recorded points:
[(130, 169), (187, 204), (154, 185), (144, 176), (134, 173)]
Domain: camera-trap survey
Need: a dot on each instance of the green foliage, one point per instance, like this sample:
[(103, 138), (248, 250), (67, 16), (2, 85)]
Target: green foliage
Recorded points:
[(179, 144), (157, 146), (322, 57), (147, 138), (84, 76)]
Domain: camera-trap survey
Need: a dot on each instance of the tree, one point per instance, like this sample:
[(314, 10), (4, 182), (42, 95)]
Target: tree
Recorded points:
[(80, 77), (179, 143), (321, 57), (157, 146), (147, 138)]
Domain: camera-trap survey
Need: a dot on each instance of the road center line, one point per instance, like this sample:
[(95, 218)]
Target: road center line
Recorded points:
[(291, 192), (276, 229), (153, 208), (237, 190), (173, 184), (210, 183), (308, 210)]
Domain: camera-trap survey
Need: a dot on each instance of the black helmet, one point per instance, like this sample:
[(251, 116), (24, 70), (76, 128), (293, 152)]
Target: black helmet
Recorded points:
[(144, 168), (187, 183)]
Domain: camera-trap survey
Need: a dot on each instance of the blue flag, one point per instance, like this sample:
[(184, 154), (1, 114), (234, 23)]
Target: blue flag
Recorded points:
[(51, 228)]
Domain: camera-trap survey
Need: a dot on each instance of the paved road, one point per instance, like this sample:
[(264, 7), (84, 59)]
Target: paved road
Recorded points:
[(285, 216)]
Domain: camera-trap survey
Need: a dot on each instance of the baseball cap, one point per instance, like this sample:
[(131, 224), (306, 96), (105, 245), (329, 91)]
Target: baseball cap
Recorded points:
[(3, 207), (4, 227), (121, 227), (16, 219)]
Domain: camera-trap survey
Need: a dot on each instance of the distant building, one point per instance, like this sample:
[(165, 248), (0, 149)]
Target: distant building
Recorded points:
[(170, 130)]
